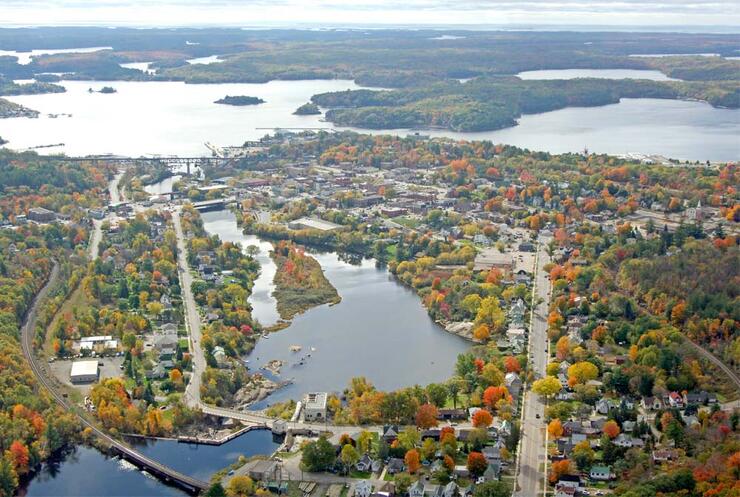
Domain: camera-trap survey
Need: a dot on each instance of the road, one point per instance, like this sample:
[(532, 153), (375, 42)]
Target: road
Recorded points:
[(44, 377), (532, 452), (97, 234), (192, 317)]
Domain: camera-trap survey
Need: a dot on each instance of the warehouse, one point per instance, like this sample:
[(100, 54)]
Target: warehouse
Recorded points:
[(84, 372)]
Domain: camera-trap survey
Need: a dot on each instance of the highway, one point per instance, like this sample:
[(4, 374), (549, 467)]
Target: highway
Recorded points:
[(532, 459)]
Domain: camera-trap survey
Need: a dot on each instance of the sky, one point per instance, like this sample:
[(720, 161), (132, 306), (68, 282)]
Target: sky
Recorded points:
[(296, 13)]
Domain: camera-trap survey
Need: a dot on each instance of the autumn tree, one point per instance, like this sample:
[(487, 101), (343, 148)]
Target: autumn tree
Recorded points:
[(560, 468), (412, 461), (426, 416), (482, 418), (477, 463), (555, 428), (611, 429), (582, 372), (547, 386), (240, 486), (492, 395)]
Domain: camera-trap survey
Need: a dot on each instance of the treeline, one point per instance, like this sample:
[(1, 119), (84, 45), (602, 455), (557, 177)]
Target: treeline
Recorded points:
[(492, 103)]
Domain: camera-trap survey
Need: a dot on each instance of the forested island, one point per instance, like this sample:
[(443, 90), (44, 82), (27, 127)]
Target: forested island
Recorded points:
[(307, 109), (11, 109), (239, 100), (497, 102), (299, 281)]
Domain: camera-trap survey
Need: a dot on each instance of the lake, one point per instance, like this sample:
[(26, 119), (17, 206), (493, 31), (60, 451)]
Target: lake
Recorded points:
[(175, 118), (79, 472), (379, 330), (24, 58), (596, 73), (169, 118), (671, 128)]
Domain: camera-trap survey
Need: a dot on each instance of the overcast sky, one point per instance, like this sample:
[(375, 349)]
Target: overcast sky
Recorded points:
[(370, 12)]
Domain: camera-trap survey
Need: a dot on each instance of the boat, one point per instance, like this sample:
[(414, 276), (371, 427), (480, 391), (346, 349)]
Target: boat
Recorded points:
[(295, 348)]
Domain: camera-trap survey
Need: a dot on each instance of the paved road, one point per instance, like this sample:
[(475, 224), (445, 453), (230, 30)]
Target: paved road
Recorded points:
[(192, 318), (531, 478)]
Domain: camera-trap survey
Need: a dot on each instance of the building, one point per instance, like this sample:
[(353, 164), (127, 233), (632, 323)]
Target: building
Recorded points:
[(315, 406), (600, 473), (84, 372), (41, 215), (314, 224), (490, 258)]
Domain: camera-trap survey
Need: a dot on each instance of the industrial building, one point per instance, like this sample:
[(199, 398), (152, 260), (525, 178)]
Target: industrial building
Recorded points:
[(84, 372)]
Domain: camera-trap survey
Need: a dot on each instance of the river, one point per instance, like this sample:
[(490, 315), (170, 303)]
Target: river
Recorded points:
[(379, 330), (86, 471), (145, 118)]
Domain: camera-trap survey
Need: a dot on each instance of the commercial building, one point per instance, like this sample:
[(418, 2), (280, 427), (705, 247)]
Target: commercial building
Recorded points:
[(489, 258), (315, 406), (310, 223), (41, 215), (84, 372)]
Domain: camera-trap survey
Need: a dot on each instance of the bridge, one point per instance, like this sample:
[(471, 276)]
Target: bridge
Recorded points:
[(164, 472), (213, 205)]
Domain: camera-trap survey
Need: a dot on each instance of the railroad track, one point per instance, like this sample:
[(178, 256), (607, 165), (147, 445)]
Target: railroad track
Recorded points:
[(42, 375)]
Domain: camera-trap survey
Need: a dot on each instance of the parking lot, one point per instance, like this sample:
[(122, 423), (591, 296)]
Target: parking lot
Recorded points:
[(111, 368)]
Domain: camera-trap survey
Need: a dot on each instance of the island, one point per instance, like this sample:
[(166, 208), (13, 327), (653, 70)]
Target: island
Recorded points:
[(239, 100), (10, 109), (307, 109), (299, 281), (105, 90)]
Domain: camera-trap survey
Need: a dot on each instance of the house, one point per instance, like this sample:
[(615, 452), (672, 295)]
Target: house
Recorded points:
[(675, 400), (564, 491), (363, 488), (432, 490), (651, 403), (603, 406), (664, 455), (365, 463), (451, 414), (600, 473), (513, 384), (41, 215), (450, 490), (395, 465), (314, 406), (493, 471), (416, 489), (390, 433), (262, 469)]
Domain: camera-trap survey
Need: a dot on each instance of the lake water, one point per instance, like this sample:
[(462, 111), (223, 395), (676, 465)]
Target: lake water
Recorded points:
[(87, 472), (168, 118), (671, 128), (596, 73), (174, 118), (223, 224), (379, 330), (24, 58)]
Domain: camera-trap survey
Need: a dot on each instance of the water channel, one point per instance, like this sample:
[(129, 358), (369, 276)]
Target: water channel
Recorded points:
[(379, 330)]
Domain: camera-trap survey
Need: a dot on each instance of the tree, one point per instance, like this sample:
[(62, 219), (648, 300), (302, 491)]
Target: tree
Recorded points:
[(349, 456), (426, 416), (437, 394), (240, 486), (477, 463), (412, 461), (547, 386), (560, 468), (8, 478), (19, 456), (318, 455), (364, 441), (512, 364), (492, 489), (583, 455), (582, 372), (555, 428), (611, 429), (492, 395), (409, 438), (428, 449), (482, 419)]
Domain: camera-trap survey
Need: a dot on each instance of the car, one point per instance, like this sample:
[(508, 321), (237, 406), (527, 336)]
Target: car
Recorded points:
[(600, 493), (231, 472), (537, 416)]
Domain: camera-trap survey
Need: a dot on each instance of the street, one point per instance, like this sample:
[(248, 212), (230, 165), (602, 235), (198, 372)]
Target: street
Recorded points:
[(531, 477)]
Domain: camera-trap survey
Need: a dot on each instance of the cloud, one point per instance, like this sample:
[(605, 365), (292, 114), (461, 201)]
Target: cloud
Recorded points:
[(420, 12)]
